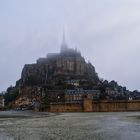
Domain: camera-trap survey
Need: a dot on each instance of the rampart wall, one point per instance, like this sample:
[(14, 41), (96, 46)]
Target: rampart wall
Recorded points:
[(96, 106)]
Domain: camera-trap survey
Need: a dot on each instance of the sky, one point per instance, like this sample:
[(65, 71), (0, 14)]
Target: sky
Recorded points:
[(106, 32)]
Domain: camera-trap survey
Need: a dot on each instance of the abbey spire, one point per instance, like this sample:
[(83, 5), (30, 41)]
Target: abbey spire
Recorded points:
[(64, 45)]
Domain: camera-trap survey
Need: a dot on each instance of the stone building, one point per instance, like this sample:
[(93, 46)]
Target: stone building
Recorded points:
[(77, 95), (68, 64)]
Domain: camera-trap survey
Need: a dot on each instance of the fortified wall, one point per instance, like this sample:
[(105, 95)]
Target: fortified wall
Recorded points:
[(96, 106)]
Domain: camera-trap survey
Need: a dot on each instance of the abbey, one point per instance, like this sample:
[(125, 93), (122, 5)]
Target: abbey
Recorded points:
[(63, 77), (58, 67)]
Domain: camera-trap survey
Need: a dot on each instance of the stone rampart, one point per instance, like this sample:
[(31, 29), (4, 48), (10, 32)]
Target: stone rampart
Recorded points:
[(96, 106)]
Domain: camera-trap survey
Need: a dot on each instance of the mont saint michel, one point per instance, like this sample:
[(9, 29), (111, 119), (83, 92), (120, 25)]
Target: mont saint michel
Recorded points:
[(69, 70), (65, 82)]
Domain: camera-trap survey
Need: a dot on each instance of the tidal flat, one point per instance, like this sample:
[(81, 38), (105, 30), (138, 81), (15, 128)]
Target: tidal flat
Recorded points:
[(28, 125)]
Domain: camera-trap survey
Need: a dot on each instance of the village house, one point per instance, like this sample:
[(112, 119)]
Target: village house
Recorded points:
[(77, 95)]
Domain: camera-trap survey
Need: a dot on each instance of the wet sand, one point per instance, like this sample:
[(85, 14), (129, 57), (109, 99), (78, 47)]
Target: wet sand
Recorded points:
[(27, 125)]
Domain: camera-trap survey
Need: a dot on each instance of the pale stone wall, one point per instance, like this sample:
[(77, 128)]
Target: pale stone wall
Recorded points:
[(110, 106), (101, 106), (88, 107), (68, 107), (107, 106)]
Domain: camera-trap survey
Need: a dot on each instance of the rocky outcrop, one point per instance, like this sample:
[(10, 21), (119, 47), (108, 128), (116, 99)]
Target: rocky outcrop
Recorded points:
[(68, 64), (23, 102)]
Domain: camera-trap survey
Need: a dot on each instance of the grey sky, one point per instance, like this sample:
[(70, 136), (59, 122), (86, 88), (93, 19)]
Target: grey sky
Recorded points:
[(106, 32)]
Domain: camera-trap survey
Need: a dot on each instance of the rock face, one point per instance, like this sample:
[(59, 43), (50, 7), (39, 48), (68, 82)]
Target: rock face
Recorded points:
[(66, 65)]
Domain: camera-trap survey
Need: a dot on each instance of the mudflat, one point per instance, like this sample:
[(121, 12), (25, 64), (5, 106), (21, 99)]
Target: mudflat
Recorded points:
[(28, 125)]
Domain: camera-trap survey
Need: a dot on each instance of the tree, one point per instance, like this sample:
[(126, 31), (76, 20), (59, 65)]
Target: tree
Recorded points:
[(11, 94)]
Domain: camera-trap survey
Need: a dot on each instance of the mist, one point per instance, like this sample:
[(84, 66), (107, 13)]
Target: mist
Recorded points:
[(106, 32)]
